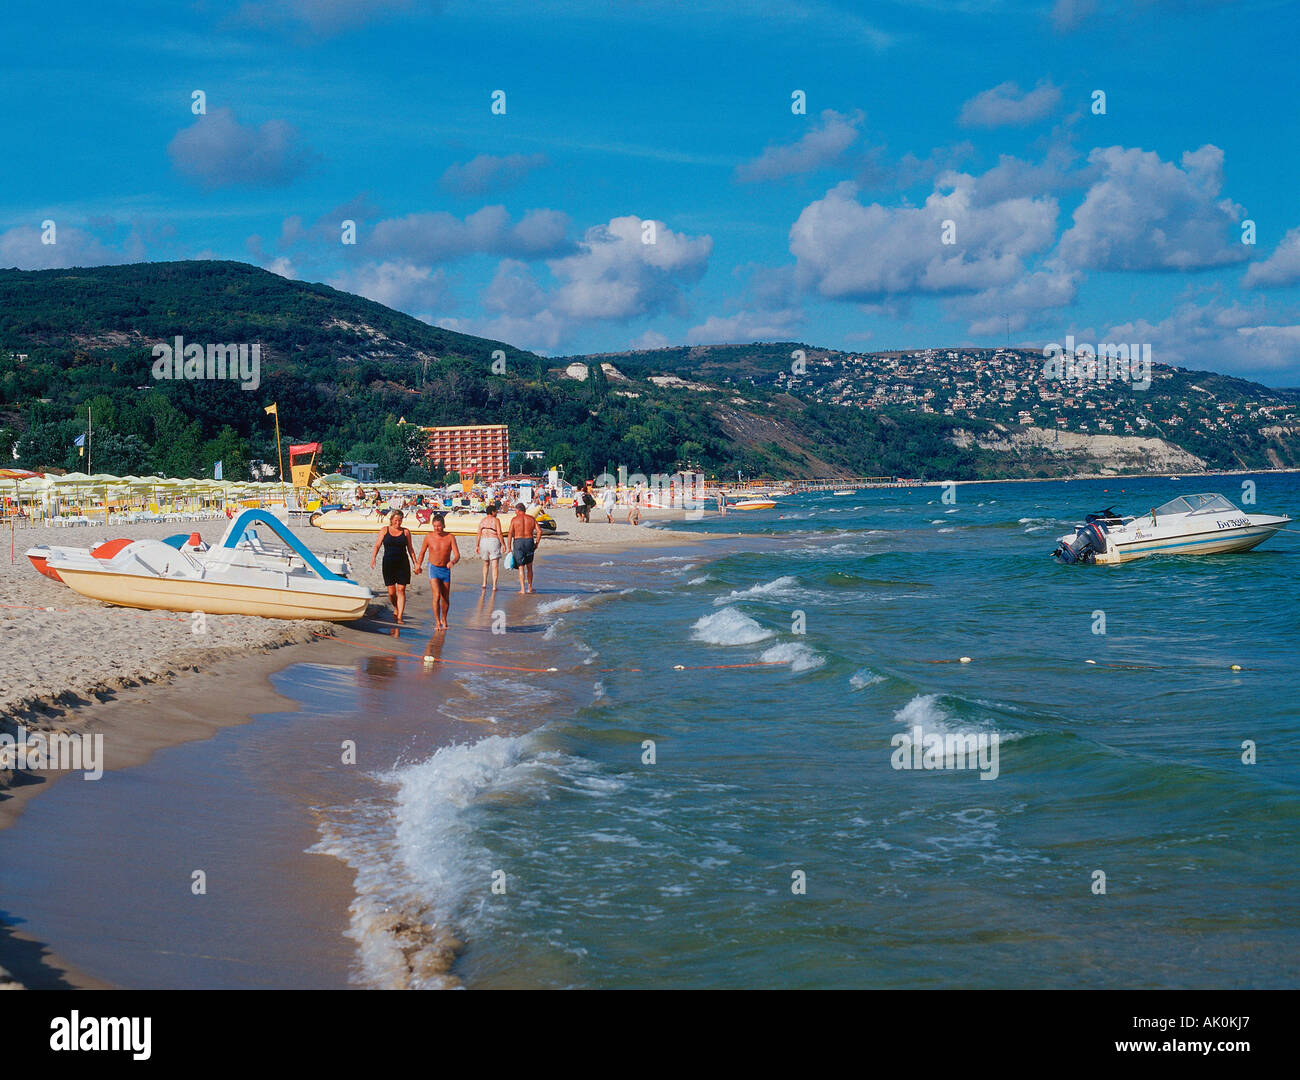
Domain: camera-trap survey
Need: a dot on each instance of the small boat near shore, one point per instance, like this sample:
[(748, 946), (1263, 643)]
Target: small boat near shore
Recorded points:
[(752, 504), (241, 575), (1206, 524)]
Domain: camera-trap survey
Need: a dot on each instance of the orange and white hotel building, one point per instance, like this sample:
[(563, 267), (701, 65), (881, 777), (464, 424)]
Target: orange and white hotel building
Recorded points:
[(483, 449)]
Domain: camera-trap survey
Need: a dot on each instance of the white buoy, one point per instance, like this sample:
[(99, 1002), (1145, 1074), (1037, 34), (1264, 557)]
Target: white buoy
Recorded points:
[(679, 667), (1236, 667), (1090, 661), (964, 660)]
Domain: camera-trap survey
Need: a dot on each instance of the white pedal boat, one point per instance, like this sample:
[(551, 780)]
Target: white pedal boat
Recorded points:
[(241, 575)]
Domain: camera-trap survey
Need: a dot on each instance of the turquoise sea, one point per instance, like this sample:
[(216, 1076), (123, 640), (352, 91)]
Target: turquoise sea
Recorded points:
[(702, 793), (1119, 752)]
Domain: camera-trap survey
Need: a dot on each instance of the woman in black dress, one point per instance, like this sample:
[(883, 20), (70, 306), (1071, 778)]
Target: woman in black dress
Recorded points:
[(398, 556)]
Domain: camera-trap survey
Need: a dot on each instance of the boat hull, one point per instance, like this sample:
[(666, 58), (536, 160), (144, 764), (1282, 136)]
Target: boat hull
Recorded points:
[(1214, 542), (211, 597), (39, 561)]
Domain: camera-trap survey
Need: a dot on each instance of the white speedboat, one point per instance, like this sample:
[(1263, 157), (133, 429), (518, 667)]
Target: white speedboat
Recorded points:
[(1188, 525), (241, 575), (846, 491)]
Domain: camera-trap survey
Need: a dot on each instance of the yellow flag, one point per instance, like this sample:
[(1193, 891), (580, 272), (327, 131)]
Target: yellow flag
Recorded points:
[(273, 410)]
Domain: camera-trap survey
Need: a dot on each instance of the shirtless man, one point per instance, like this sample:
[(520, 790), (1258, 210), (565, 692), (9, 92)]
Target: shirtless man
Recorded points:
[(443, 554), (525, 535)]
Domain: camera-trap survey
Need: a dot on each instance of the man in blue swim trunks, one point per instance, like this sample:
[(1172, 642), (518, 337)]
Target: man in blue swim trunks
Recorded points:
[(443, 554), (525, 535)]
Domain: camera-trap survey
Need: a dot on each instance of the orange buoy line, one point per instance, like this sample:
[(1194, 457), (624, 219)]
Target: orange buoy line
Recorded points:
[(429, 659), (1120, 667), (540, 671)]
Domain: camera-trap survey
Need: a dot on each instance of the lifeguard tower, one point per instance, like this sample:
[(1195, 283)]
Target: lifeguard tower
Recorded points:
[(302, 464)]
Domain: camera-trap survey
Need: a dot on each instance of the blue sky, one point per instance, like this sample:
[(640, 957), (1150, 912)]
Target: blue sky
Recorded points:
[(826, 226)]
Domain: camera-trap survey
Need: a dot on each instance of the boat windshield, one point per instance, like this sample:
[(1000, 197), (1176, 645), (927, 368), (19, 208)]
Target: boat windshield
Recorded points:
[(1195, 504)]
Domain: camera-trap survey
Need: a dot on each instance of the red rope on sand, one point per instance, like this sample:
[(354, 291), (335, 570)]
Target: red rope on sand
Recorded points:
[(82, 611)]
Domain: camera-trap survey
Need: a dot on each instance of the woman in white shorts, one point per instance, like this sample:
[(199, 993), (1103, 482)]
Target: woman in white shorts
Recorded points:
[(489, 544)]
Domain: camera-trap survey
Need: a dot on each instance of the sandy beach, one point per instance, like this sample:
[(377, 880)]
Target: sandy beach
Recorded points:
[(83, 651), (147, 682)]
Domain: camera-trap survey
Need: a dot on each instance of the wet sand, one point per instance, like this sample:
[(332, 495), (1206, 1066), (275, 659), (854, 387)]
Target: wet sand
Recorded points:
[(188, 789)]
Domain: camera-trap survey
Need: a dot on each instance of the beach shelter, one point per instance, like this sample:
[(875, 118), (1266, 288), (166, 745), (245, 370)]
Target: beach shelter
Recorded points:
[(302, 463)]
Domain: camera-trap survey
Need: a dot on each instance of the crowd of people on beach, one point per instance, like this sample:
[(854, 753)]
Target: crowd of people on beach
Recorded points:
[(518, 544), (498, 539)]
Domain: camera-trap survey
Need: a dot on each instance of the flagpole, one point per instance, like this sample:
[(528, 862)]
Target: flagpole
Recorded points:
[(89, 470), (279, 451)]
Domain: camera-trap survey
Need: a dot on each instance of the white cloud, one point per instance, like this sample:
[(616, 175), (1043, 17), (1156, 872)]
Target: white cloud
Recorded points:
[(650, 339), (847, 250), (745, 326), (21, 248), (489, 172), (1013, 177), (1149, 214), (218, 151), (1006, 105), (416, 290), (1020, 303), (1280, 268), (540, 332), (1254, 342), (613, 276), (283, 266), (442, 237), (823, 146), (513, 288), (616, 274)]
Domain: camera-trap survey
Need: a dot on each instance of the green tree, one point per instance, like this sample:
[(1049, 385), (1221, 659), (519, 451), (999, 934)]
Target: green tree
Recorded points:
[(120, 455), (50, 446), (230, 450)]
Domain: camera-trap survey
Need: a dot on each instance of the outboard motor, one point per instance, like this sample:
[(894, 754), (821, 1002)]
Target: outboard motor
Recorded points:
[(1089, 542)]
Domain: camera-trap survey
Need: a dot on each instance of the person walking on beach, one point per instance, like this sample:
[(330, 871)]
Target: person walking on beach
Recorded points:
[(610, 501), (443, 554), (489, 544), (398, 556), (525, 535), (634, 508)]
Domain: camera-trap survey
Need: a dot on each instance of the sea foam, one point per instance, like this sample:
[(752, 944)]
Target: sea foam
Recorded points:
[(794, 653), (780, 588), (863, 678), (729, 627)]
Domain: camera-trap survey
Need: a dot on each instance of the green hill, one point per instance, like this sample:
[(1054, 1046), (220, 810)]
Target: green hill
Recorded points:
[(345, 370)]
